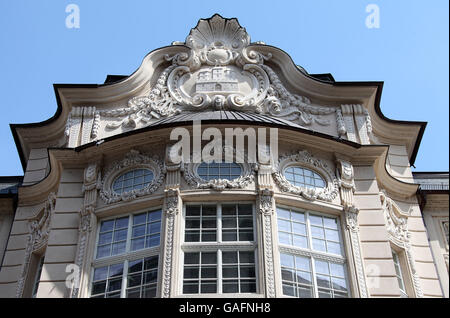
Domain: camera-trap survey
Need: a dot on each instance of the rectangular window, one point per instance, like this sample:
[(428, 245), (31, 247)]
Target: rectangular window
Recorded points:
[(228, 266), (131, 279), (200, 273), (126, 263), (306, 273), (309, 231), (142, 278), (219, 272), (114, 238), (398, 272), (219, 223), (238, 272)]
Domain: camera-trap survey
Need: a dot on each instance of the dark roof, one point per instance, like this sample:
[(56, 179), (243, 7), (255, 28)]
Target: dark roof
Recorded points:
[(114, 78), (432, 181), (221, 117), (9, 185)]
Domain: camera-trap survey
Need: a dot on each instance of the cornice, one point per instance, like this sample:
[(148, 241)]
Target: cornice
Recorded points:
[(396, 188)]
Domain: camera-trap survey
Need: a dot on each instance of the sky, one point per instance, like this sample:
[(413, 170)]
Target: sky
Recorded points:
[(408, 50)]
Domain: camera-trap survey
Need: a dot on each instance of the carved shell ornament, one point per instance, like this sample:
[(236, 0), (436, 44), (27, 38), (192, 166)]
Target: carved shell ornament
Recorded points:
[(304, 159), (132, 161), (221, 71)]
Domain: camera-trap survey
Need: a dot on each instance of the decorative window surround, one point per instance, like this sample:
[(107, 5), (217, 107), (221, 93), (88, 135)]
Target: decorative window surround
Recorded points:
[(306, 160), (38, 231), (309, 251), (128, 254), (218, 246), (397, 228), (87, 219), (132, 160), (345, 174), (247, 174)]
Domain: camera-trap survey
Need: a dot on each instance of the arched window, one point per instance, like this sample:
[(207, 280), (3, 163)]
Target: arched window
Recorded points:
[(132, 180), (302, 177), (220, 170)]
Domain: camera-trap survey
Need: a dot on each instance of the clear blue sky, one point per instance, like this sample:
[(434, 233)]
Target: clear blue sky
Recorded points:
[(409, 52)]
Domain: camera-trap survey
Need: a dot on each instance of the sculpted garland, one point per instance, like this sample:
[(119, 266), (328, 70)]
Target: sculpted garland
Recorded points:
[(220, 72)]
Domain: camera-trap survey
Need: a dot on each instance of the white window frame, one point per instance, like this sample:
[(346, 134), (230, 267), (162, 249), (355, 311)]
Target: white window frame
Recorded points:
[(128, 255), (218, 246), (310, 252), (399, 274)]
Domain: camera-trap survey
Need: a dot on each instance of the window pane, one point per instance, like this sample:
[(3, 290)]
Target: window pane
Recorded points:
[(285, 238), (101, 273), (229, 222), (337, 270), (248, 286), (246, 257), (321, 267), (299, 228), (245, 209), (229, 271), (287, 260), (246, 235), (300, 241), (284, 225), (132, 180), (298, 217), (302, 263), (107, 226), (304, 292), (283, 213), (190, 287), (230, 286), (139, 218), (229, 257), (334, 248), (319, 245), (192, 210), (289, 289), (135, 266), (191, 258), (209, 258)]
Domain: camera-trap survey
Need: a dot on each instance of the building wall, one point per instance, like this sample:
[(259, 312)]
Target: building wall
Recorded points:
[(62, 247)]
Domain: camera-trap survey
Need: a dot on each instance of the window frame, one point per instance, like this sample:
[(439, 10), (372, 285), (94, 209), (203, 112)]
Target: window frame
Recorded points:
[(128, 255), (309, 252), (304, 185), (219, 247), (399, 273)]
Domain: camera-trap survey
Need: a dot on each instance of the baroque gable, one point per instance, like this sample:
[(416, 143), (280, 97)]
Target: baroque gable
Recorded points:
[(221, 70)]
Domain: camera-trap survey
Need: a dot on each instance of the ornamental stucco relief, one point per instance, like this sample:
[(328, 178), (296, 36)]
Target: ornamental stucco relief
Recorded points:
[(132, 160), (220, 72), (306, 160)]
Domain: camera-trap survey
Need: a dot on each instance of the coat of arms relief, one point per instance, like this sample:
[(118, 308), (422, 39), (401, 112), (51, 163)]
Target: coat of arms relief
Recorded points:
[(220, 72)]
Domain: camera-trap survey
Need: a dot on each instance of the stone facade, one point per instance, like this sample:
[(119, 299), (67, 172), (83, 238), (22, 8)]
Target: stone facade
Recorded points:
[(79, 165)]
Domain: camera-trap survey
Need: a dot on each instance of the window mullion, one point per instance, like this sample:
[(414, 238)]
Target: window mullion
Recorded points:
[(219, 272), (124, 279), (314, 279), (219, 223)]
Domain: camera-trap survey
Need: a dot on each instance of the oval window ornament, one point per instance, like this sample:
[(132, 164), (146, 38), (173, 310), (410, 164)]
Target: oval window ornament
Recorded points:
[(136, 179), (220, 170)]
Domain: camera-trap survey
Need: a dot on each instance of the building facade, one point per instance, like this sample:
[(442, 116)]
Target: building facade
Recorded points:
[(222, 169)]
